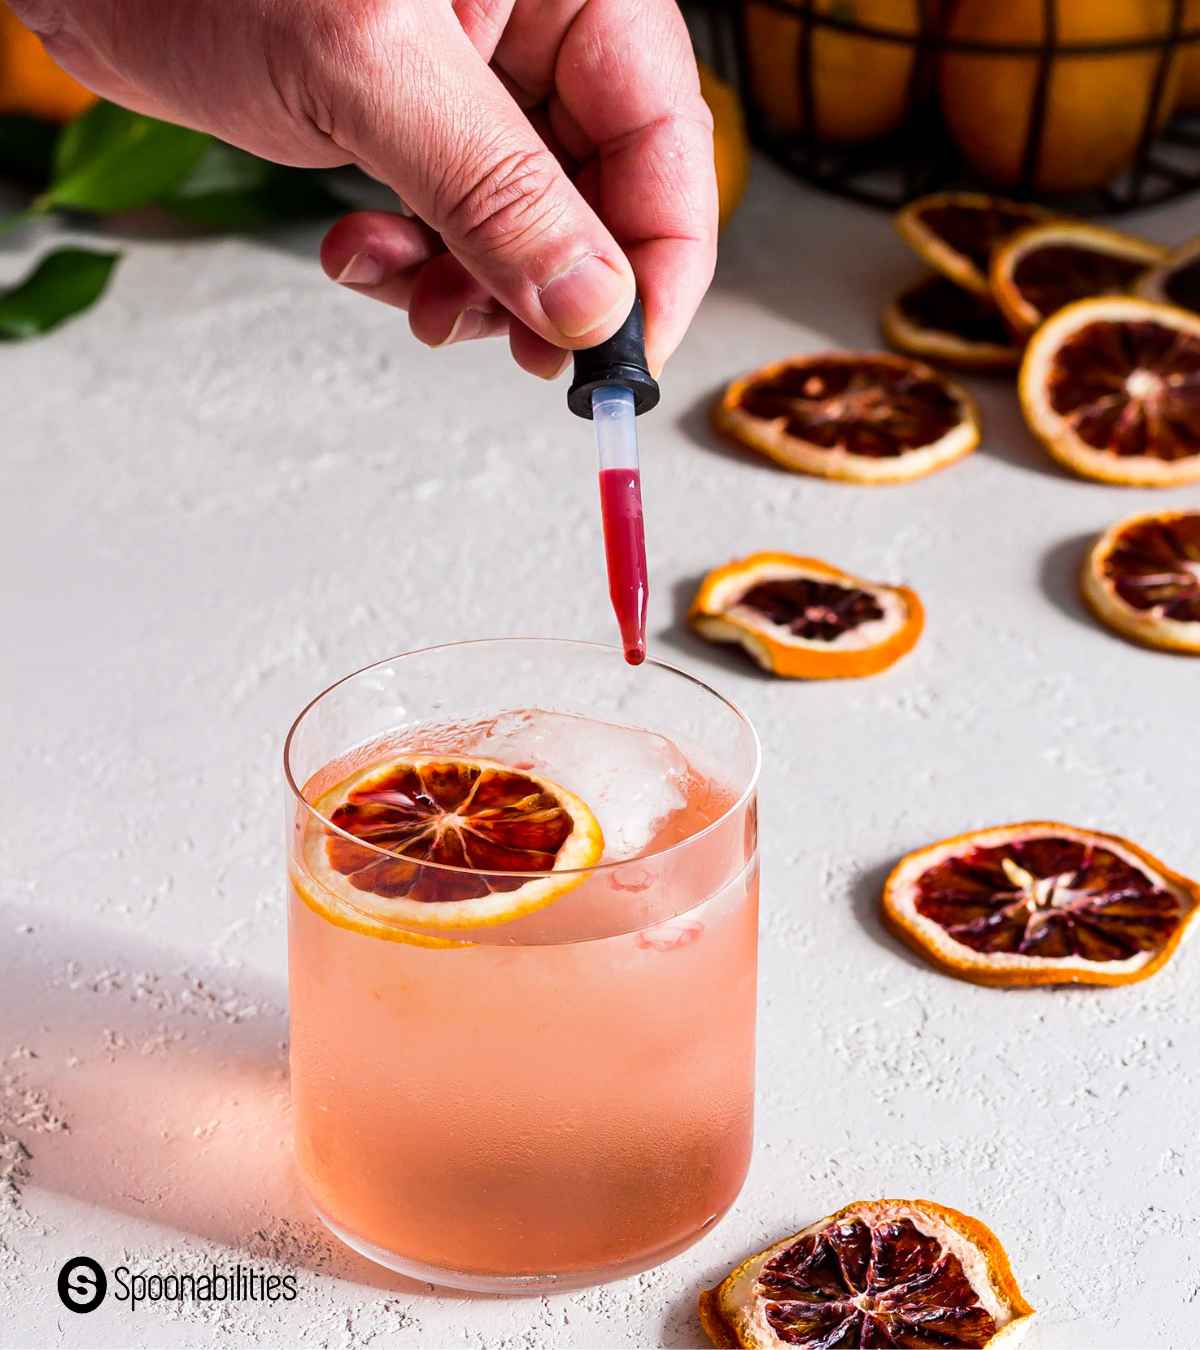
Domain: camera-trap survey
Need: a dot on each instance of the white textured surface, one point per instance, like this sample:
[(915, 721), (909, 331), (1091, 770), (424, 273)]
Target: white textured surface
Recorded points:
[(234, 482)]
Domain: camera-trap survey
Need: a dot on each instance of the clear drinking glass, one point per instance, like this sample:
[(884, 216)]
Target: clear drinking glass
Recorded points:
[(565, 1097)]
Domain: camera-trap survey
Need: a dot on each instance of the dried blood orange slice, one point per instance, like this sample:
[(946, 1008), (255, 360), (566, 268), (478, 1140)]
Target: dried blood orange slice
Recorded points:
[(442, 842), (862, 417), (940, 321), (876, 1273), (806, 620), (957, 232), (1045, 267), (1142, 578), (1175, 281), (1112, 388), (1040, 903)]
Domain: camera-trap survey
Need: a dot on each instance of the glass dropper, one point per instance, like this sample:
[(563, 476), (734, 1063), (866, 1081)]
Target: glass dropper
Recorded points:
[(613, 386), (621, 514)]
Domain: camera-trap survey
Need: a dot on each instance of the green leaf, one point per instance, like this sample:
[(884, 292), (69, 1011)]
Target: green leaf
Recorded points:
[(27, 149), (63, 284), (111, 160), (85, 135), (230, 189)]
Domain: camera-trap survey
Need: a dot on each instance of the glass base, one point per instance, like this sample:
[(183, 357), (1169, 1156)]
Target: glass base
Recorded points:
[(480, 1282)]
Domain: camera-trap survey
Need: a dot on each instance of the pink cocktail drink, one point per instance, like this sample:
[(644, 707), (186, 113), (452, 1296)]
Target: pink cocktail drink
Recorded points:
[(560, 1097)]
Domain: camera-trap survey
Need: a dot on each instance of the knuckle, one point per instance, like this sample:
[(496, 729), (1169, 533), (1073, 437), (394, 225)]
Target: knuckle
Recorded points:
[(351, 28), (510, 200), (309, 56)]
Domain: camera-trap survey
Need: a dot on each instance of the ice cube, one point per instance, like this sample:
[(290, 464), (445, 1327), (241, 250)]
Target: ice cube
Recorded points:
[(633, 780)]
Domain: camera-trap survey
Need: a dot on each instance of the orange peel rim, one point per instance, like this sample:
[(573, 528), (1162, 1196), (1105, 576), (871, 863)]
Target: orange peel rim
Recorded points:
[(1021, 316), (801, 663), (1062, 444), (577, 855), (800, 456), (932, 344), (975, 968), (1142, 627), (930, 246), (724, 1336)]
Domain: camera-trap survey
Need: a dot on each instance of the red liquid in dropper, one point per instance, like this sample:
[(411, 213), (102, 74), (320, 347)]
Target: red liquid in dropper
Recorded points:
[(625, 549)]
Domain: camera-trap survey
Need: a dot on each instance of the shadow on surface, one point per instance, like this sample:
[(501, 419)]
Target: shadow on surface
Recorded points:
[(1005, 436), (679, 638), (681, 1329), (1058, 576), (696, 424), (779, 260), (143, 1083), (301, 238), (865, 893)]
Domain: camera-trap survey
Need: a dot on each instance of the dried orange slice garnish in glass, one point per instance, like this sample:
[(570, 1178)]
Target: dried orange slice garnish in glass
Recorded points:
[(1046, 267), (1040, 903), (1175, 281), (442, 843), (938, 320), (879, 1272), (1142, 578), (801, 618), (862, 417), (1112, 388), (957, 232)]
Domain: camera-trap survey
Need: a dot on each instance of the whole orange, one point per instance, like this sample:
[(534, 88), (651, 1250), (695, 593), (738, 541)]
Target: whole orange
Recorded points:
[(1096, 105), (860, 85), (731, 150), (1189, 62), (30, 82)]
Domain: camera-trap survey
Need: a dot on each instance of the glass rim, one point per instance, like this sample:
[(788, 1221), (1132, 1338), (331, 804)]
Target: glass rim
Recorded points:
[(596, 647)]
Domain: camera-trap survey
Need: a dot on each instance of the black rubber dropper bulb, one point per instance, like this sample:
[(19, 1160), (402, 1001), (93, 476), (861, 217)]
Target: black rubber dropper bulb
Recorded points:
[(619, 361), (612, 386)]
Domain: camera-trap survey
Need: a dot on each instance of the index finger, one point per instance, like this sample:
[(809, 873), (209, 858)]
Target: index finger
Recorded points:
[(626, 91)]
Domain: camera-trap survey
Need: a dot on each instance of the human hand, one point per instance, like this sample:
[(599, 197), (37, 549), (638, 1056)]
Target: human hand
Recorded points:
[(556, 154)]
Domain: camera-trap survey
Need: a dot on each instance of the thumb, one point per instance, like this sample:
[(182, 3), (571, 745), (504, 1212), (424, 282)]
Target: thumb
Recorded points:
[(459, 151)]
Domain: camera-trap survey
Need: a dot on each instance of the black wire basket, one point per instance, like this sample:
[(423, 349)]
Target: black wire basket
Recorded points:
[(882, 114)]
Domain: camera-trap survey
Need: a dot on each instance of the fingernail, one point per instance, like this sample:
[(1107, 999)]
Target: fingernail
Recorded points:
[(582, 297), (362, 270), (471, 323), (558, 369)]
